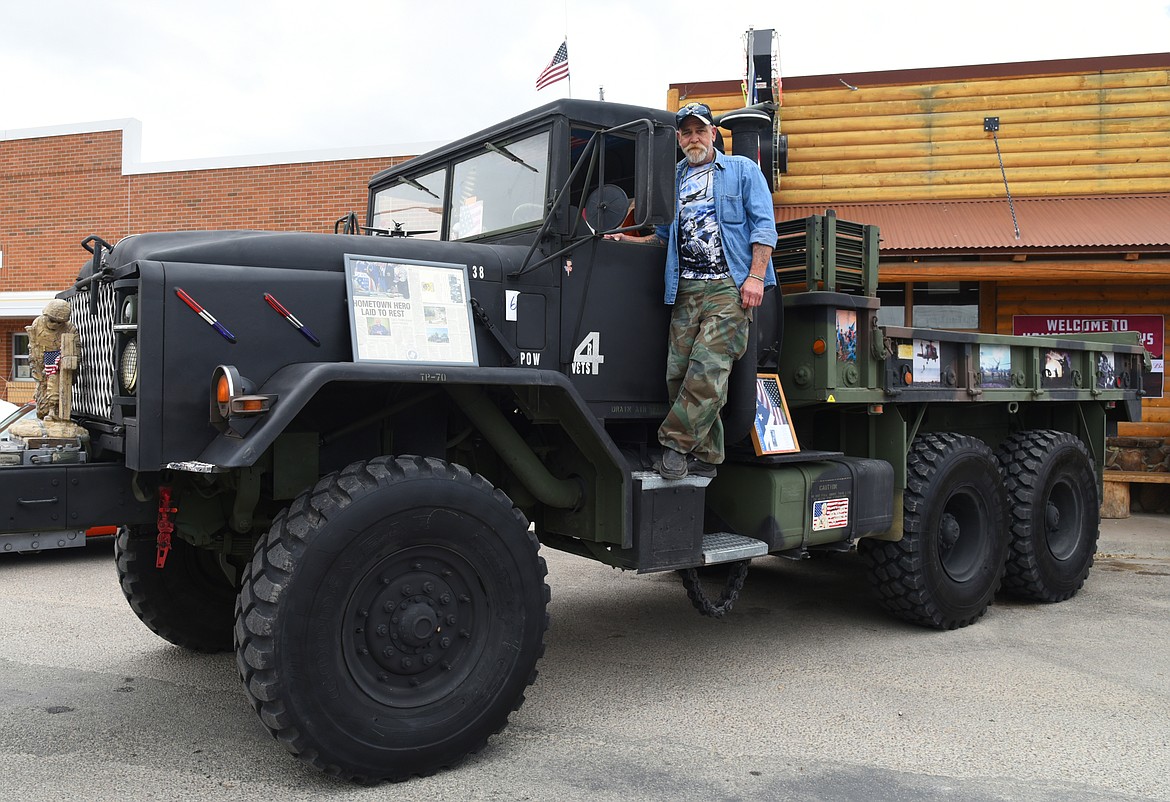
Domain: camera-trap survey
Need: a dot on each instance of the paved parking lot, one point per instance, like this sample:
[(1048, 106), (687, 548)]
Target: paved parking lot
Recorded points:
[(807, 691)]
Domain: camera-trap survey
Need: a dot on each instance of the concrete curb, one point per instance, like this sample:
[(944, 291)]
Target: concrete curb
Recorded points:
[(1138, 535)]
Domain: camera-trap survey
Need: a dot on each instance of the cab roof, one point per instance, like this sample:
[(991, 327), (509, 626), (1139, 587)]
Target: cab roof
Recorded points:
[(593, 113)]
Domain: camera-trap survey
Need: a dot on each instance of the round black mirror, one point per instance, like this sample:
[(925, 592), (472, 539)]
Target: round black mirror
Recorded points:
[(606, 208)]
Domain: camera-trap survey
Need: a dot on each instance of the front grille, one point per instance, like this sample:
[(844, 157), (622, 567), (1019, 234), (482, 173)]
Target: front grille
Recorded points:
[(93, 391)]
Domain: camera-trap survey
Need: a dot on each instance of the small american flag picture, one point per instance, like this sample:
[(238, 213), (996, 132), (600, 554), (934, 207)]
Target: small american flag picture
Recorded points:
[(772, 431), (830, 514)]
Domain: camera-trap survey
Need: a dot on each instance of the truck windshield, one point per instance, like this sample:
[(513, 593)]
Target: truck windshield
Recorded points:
[(503, 187), (413, 205)]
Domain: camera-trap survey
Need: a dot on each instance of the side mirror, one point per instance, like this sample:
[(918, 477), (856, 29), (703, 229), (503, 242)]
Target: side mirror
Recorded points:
[(654, 186)]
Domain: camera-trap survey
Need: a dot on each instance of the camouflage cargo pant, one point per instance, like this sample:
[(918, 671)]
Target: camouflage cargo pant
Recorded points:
[(708, 332)]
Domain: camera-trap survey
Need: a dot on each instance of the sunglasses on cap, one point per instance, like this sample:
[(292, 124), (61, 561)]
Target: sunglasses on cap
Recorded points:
[(699, 110)]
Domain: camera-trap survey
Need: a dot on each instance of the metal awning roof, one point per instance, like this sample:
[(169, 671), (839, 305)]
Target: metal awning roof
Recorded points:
[(1069, 224)]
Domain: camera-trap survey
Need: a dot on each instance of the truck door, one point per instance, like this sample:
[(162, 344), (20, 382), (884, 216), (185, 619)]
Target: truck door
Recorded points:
[(613, 320)]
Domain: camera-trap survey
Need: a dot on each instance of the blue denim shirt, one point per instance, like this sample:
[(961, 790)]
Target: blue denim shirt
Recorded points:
[(743, 207)]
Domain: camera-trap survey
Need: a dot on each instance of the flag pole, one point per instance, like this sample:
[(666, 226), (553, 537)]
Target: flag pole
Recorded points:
[(570, 77)]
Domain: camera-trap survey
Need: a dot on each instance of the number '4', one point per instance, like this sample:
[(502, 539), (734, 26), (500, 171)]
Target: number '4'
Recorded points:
[(588, 358)]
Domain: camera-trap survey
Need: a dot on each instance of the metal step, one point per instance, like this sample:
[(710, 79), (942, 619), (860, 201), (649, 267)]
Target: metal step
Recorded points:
[(41, 541), (652, 481), (726, 547)]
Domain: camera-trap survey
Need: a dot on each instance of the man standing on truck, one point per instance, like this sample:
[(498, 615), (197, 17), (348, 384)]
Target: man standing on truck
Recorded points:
[(718, 262)]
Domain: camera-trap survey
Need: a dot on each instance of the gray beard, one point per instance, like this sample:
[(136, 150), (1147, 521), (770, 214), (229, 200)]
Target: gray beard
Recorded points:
[(696, 158)]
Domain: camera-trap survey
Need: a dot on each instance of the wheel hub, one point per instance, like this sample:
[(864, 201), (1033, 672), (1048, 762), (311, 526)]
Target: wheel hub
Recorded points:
[(1051, 517), (963, 535), (412, 629), (948, 531), (1064, 521), (410, 620), (416, 624)]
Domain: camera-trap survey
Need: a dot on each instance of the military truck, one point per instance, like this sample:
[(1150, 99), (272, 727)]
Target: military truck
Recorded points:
[(339, 453)]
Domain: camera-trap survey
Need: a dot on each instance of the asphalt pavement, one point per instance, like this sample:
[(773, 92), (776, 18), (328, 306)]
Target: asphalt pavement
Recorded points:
[(807, 691)]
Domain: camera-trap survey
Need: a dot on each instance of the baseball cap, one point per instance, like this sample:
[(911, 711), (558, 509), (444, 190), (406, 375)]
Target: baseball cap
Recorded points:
[(701, 111)]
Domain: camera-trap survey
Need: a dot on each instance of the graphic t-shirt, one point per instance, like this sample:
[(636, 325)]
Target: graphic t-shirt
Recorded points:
[(700, 248)]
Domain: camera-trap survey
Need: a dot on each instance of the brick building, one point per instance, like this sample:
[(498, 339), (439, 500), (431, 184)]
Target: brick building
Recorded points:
[(60, 185)]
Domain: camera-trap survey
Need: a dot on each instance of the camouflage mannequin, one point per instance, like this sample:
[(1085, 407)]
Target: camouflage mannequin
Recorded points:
[(53, 348)]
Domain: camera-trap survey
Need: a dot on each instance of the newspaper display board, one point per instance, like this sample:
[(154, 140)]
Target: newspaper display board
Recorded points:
[(409, 311), (772, 432)]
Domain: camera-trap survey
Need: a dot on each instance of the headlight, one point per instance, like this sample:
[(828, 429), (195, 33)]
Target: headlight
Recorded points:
[(129, 312), (128, 366)]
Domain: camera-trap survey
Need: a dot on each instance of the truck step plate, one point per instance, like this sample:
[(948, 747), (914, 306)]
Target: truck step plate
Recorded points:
[(652, 481), (36, 541), (725, 547)]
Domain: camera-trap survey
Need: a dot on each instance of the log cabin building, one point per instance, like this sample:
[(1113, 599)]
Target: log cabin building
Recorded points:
[(1084, 241)]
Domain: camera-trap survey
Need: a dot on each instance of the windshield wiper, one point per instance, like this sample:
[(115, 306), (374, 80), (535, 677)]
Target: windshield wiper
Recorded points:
[(507, 154), (412, 183)]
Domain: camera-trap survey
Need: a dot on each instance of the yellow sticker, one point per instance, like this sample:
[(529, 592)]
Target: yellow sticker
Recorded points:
[(905, 350), (831, 400)]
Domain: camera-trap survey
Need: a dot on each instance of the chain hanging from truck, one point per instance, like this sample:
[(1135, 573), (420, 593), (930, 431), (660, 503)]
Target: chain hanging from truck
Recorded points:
[(736, 574)]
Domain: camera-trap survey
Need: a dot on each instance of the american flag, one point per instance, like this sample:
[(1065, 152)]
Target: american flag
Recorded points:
[(52, 360), (557, 69), (768, 403), (830, 514)]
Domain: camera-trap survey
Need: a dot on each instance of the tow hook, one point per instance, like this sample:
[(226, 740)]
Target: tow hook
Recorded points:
[(166, 525)]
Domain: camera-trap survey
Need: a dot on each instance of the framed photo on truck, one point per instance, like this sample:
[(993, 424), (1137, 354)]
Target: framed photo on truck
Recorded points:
[(772, 431)]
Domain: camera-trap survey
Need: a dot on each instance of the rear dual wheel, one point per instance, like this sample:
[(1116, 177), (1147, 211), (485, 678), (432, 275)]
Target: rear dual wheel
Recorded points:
[(1055, 514), (945, 570)]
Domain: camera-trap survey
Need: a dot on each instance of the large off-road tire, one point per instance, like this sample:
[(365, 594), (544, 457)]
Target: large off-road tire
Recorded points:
[(1055, 514), (945, 570), (392, 618), (189, 602)]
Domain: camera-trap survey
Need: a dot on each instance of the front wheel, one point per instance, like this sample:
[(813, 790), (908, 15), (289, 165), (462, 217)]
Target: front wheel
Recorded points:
[(1056, 514), (945, 570), (190, 601), (391, 619)]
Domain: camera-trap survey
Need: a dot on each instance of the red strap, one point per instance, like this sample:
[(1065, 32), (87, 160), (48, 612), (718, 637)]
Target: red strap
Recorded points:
[(166, 526)]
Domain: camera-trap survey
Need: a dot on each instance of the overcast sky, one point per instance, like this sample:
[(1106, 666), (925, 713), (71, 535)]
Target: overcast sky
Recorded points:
[(231, 77)]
